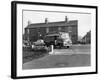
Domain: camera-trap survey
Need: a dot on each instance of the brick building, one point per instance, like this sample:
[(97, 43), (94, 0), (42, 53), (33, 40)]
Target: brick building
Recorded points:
[(34, 31), (87, 38)]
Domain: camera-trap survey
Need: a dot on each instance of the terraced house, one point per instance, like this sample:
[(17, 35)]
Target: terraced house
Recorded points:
[(37, 30)]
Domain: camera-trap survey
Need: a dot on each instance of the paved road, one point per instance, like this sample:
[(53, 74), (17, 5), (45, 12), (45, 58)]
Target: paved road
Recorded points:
[(75, 49), (77, 55)]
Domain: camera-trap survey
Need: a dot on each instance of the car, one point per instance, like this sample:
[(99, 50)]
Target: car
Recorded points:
[(39, 45)]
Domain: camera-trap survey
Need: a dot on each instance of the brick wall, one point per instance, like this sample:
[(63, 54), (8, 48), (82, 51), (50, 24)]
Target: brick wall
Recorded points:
[(34, 33)]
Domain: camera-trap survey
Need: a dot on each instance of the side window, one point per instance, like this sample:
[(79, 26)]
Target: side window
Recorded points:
[(69, 29), (28, 31), (47, 30)]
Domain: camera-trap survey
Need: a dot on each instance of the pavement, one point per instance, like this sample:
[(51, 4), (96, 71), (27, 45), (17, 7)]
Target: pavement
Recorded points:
[(75, 56)]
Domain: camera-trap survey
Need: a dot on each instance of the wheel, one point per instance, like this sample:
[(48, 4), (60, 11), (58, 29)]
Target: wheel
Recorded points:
[(60, 45)]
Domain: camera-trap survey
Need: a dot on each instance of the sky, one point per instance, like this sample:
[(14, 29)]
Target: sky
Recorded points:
[(84, 19)]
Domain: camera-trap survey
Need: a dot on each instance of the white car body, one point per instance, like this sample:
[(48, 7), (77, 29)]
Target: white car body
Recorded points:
[(66, 39)]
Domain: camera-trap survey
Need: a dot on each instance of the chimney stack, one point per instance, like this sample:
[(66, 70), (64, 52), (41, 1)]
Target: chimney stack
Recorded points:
[(29, 22), (66, 19), (46, 20)]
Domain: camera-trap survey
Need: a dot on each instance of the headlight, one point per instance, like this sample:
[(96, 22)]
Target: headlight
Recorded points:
[(33, 46)]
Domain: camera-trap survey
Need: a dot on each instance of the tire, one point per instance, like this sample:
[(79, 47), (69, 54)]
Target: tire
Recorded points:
[(67, 46)]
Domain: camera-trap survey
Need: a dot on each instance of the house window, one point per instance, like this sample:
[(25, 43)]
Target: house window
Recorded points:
[(59, 28), (69, 29), (53, 29), (47, 30), (63, 29)]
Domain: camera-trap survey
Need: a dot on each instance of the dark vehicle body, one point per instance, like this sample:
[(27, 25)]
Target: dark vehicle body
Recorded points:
[(56, 40)]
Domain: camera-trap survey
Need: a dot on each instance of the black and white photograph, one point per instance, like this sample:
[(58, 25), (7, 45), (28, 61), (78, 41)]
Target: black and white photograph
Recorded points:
[(53, 40)]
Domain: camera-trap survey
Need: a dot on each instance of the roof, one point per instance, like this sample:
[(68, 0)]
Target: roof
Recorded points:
[(87, 35), (52, 24)]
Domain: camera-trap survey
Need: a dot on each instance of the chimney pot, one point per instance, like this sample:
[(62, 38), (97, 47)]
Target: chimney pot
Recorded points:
[(46, 20), (29, 22)]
